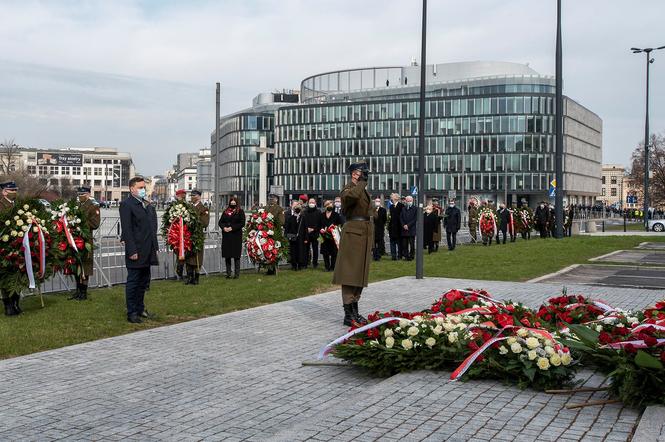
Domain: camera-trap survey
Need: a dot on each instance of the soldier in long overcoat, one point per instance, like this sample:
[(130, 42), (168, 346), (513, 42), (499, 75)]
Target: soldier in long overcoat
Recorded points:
[(92, 218), (355, 249), (194, 261)]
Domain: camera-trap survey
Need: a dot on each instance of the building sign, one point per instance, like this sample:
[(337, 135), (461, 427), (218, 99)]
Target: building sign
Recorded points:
[(59, 159)]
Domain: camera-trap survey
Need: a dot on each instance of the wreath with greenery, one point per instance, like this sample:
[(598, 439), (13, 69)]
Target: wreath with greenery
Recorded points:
[(194, 238), (264, 241), (70, 224)]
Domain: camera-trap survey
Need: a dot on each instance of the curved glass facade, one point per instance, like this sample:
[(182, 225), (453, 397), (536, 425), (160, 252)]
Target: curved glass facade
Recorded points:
[(490, 139), (238, 162)]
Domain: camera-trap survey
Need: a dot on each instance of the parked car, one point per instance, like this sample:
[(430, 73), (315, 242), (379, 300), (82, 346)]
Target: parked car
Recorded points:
[(656, 225)]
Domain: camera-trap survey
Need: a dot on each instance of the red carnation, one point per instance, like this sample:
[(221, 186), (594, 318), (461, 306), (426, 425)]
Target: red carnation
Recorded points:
[(604, 338), (504, 319), (79, 242), (630, 348), (62, 246)]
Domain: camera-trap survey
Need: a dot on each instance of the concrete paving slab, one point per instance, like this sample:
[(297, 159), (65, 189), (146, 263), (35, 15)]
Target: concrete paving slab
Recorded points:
[(238, 376), (652, 278), (656, 257)]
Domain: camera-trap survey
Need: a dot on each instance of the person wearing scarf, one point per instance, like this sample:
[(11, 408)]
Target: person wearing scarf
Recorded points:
[(231, 222)]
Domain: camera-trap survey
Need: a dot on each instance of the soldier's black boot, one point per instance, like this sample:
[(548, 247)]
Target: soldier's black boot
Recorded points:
[(228, 268), (348, 315), (196, 278), (15, 303), (236, 268), (77, 293), (9, 307), (357, 316), (190, 275), (83, 293)]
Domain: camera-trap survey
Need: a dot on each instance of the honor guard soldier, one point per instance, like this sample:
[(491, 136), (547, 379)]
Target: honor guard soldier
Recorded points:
[(180, 266), (355, 249), (9, 299), (195, 260), (92, 218)]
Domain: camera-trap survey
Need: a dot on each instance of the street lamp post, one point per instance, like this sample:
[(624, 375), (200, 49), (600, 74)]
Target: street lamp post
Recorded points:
[(399, 162), (421, 147), (558, 196), (650, 60)]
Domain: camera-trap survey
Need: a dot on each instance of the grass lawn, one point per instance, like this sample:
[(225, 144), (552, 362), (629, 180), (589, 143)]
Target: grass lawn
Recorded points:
[(64, 322)]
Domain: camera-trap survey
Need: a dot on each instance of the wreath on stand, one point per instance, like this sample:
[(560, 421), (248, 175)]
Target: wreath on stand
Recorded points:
[(71, 236), (264, 240), (182, 230)]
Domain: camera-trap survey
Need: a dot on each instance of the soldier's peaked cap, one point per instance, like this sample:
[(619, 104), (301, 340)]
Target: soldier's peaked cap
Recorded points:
[(196, 192), (9, 185), (83, 189), (358, 166)]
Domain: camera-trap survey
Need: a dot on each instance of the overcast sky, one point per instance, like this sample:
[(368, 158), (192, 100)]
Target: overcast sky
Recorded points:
[(140, 75)]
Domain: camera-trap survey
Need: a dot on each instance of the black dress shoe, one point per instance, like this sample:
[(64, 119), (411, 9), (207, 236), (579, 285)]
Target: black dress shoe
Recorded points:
[(146, 314), (134, 319)]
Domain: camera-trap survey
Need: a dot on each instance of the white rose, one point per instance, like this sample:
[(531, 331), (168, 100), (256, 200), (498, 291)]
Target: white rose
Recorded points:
[(20, 234), (503, 350), (388, 332), (26, 207), (439, 320), (271, 233), (390, 341), (632, 320), (555, 360), (511, 340), (448, 326), (532, 342), (437, 330), (522, 333), (452, 337), (403, 323), (407, 344), (19, 222), (418, 319), (5, 238), (549, 350), (20, 212), (515, 347), (28, 214), (430, 342), (543, 363), (25, 228), (7, 223), (14, 233), (16, 217), (412, 331), (620, 326), (566, 359), (35, 229), (599, 328)]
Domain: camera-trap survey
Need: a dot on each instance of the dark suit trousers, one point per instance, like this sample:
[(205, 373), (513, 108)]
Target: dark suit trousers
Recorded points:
[(451, 239), (137, 282), (408, 247)]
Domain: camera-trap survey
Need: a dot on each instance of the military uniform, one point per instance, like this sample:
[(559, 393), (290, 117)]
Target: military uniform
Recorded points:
[(473, 223), (93, 219), (355, 249), (9, 299), (194, 261)]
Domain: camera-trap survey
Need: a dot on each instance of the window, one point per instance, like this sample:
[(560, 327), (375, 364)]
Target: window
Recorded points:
[(64, 170), (76, 170), (98, 171), (87, 171), (53, 170), (602, 191), (43, 170), (98, 182), (613, 192), (32, 170), (603, 179)]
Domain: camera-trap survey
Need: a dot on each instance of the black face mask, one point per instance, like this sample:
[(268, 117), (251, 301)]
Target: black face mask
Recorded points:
[(232, 204), (296, 210), (329, 209)]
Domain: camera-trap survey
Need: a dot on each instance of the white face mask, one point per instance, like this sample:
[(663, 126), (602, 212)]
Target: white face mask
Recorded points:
[(338, 204), (409, 204), (451, 205), (311, 205), (542, 206), (377, 203)]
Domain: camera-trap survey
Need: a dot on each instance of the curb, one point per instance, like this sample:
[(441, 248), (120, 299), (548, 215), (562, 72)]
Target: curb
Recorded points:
[(607, 255), (549, 275), (651, 426)]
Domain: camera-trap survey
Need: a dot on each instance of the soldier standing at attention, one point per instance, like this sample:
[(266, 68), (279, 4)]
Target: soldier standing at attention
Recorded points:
[(355, 248), (472, 222), (93, 218), (10, 300), (195, 260)]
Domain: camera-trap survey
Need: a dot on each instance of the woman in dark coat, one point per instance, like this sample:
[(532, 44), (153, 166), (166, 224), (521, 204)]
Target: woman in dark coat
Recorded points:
[(328, 246), (294, 229), (231, 222), (429, 227)]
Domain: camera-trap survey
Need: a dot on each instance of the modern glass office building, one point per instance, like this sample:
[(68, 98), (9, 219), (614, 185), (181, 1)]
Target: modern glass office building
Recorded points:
[(489, 132)]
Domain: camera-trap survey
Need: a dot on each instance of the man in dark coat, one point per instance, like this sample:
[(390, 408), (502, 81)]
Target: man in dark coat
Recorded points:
[(294, 229), (355, 248), (541, 217), (430, 221), (194, 261), (231, 222), (138, 221), (452, 220), (408, 219), (93, 219), (503, 219), (380, 218), (395, 227), (312, 221)]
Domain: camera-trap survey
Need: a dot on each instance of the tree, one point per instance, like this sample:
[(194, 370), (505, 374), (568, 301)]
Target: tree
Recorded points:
[(9, 154), (656, 169)]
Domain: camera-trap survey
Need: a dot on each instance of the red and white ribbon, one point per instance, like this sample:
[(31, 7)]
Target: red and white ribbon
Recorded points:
[(511, 224), (27, 254), (637, 344), (326, 349), (68, 234), (466, 364), (181, 250)]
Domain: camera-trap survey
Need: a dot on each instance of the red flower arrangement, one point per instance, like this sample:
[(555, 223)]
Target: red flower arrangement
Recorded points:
[(263, 240)]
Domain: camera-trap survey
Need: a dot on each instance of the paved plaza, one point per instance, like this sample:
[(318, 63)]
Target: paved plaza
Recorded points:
[(239, 376)]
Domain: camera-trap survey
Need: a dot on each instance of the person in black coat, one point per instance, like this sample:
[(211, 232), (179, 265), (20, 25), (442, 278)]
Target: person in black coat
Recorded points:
[(380, 218), (312, 220), (452, 221), (503, 216), (430, 221), (540, 219), (231, 222), (395, 227), (328, 246), (138, 221), (294, 229), (408, 218)]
